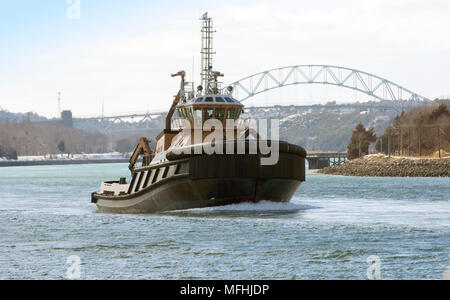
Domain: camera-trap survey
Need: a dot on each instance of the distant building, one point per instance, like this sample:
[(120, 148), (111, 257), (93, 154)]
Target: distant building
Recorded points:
[(66, 117)]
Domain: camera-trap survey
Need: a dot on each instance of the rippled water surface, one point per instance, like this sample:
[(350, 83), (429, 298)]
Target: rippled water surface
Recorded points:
[(328, 231)]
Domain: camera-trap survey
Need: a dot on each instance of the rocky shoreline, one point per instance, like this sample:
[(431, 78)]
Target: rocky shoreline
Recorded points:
[(392, 167)]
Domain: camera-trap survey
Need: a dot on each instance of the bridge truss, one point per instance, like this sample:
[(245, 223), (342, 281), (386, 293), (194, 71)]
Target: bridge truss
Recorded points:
[(121, 123), (372, 85)]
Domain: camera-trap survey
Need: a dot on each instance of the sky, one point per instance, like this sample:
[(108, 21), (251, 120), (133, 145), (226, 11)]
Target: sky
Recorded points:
[(120, 54)]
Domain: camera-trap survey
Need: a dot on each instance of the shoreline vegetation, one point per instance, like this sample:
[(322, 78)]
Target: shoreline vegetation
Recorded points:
[(417, 145), (384, 166)]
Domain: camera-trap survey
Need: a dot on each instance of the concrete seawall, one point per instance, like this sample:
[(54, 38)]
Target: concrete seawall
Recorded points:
[(59, 162)]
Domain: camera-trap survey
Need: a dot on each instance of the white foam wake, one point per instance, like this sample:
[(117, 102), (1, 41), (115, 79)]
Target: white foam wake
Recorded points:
[(260, 206)]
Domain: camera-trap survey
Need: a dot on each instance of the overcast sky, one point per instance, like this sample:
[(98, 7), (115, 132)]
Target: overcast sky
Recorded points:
[(123, 52)]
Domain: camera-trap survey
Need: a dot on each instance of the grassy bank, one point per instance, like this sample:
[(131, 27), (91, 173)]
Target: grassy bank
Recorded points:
[(373, 166)]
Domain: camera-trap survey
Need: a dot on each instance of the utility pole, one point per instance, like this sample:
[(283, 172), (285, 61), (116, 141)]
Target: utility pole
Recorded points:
[(58, 113), (409, 141), (381, 139), (420, 142), (439, 140), (389, 143), (359, 146), (398, 143)]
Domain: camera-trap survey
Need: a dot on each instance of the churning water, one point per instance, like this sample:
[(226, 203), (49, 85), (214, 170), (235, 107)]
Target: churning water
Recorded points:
[(328, 231)]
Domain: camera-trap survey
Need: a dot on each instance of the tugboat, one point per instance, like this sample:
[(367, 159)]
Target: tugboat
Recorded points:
[(206, 156)]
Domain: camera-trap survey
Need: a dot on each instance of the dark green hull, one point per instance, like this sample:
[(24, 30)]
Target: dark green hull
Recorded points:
[(209, 180), (186, 194)]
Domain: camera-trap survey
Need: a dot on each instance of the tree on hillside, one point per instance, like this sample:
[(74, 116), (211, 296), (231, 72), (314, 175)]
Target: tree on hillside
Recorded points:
[(124, 146), (62, 147), (360, 142), (8, 152), (382, 144), (421, 131)]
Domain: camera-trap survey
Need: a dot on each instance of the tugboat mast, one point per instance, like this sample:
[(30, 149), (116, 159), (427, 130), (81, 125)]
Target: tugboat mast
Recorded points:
[(207, 74)]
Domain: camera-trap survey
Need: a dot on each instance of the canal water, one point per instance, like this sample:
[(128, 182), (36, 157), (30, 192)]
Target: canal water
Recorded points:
[(334, 228)]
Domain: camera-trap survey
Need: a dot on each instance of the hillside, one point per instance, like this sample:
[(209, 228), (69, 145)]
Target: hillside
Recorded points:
[(316, 127), (9, 117), (323, 128), (422, 131), (48, 138)]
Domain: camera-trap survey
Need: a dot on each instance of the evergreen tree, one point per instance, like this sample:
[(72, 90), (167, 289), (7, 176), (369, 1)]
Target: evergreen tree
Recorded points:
[(360, 142), (62, 147)]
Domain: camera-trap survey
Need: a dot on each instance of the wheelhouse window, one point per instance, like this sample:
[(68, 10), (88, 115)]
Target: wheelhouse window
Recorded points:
[(220, 114), (230, 113), (229, 100), (188, 113), (209, 99), (198, 117), (199, 100), (220, 100), (238, 113), (208, 114), (191, 114)]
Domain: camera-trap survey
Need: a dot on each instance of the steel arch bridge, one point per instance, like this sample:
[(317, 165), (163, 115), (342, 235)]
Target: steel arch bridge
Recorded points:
[(372, 85)]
